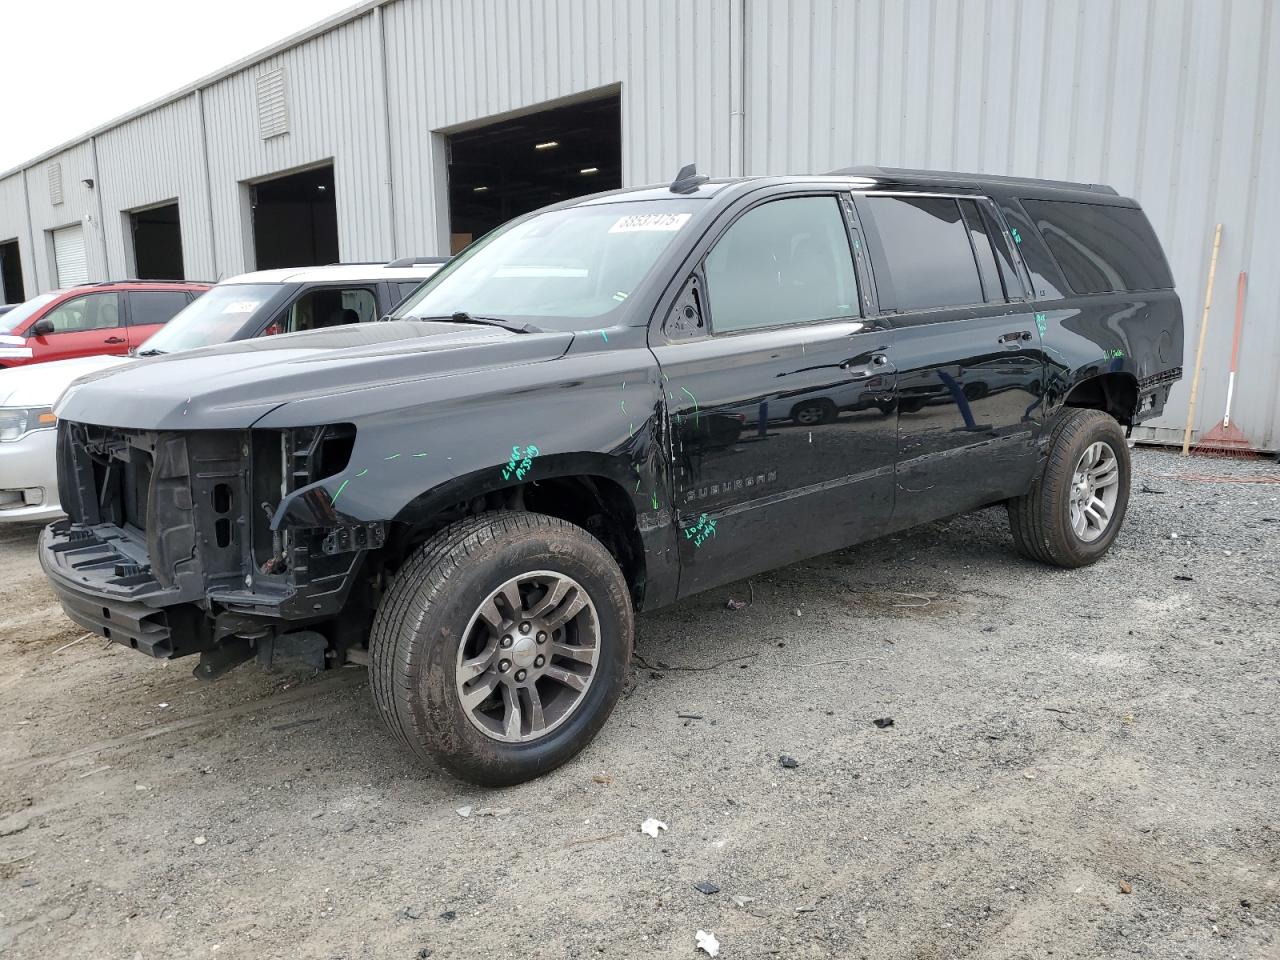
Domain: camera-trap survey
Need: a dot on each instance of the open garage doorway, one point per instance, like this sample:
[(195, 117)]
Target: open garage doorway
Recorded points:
[(510, 167), (295, 220), (157, 243), (11, 289)]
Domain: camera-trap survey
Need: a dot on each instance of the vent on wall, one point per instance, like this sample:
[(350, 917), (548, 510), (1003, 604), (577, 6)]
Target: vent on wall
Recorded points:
[(273, 109), (55, 183)]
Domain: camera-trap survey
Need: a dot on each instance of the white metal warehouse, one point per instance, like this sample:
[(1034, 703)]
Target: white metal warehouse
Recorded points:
[(406, 126)]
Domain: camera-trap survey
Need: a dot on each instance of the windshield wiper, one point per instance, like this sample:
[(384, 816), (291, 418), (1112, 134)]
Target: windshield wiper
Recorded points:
[(464, 317), (150, 352)]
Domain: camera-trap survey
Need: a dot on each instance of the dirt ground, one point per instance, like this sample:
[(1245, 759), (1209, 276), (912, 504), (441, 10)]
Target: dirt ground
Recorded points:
[(1081, 764)]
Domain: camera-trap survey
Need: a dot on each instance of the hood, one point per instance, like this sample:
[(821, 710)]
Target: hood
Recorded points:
[(40, 384), (232, 385)]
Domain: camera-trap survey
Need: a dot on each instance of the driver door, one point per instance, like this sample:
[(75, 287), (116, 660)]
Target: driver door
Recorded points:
[(780, 395), (82, 327)]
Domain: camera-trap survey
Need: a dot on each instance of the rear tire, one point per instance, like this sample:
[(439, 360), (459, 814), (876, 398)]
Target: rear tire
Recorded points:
[(1047, 522), (435, 628)]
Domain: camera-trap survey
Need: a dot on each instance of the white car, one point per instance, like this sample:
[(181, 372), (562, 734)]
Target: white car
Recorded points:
[(28, 473), (250, 305)]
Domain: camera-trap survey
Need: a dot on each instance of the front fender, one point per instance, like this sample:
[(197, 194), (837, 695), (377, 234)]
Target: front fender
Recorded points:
[(599, 413)]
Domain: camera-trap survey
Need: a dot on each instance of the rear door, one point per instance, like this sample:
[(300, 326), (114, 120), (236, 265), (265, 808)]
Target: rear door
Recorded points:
[(149, 310), (970, 368), (779, 393), (83, 326)]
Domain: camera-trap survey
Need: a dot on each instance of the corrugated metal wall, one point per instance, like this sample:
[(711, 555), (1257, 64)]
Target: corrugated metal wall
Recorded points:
[(79, 205), (169, 140), (13, 225), (331, 84), (1164, 99), (453, 62)]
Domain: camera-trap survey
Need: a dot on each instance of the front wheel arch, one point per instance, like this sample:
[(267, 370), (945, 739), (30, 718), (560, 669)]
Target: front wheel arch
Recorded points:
[(592, 500)]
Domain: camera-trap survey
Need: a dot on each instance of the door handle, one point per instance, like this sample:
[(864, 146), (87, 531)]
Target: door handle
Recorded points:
[(115, 340), (1014, 338), (880, 364)]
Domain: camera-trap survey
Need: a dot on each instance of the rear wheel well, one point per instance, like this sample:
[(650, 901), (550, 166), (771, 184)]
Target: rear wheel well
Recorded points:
[(596, 504), (1112, 393)]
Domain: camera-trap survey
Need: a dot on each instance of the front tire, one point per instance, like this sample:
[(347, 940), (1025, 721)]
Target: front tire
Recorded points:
[(501, 646), (813, 413), (1077, 503)]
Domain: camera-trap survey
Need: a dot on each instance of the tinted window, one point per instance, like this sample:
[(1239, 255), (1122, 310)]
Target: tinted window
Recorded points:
[(926, 246), (97, 311), (406, 287), (1101, 248), (331, 307), (1014, 287), (982, 249), (1046, 278), (784, 262), (154, 307)]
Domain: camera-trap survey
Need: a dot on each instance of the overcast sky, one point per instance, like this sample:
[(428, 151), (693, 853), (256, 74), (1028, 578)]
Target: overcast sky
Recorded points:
[(70, 65)]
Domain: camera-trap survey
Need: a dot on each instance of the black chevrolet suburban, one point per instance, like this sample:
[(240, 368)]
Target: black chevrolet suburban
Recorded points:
[(602, 407)]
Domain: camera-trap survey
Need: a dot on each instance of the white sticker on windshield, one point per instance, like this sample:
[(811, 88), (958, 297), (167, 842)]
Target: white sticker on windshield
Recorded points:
[(241, 306), (650, 221)]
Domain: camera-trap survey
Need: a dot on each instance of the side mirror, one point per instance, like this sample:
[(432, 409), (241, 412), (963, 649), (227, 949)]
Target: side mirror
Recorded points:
[(42, 328)]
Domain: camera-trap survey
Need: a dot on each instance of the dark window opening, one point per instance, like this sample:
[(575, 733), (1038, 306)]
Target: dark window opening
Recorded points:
[(295, 220), (926, 248), (151, 308), (1101, 248), (11, 288), (513, 166), (157, 243)]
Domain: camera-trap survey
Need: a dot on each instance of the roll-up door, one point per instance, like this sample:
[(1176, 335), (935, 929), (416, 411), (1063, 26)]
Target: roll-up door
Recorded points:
[(68, 256)]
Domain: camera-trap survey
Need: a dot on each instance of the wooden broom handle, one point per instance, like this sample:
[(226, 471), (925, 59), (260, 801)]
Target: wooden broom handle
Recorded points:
[(1204, 328)]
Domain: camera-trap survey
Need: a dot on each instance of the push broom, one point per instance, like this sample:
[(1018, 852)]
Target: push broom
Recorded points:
[(1225, 439)]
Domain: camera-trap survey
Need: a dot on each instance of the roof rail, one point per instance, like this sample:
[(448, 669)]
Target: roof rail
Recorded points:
[(951, 176), (107, 283), (416, 261)]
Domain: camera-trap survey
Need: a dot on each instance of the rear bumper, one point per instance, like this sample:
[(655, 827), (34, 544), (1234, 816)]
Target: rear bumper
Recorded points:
[(29, 478)]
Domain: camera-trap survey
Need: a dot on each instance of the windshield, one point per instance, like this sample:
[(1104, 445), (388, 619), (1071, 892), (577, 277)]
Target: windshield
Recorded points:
[(580, 262), (216, 317), (16, 318)]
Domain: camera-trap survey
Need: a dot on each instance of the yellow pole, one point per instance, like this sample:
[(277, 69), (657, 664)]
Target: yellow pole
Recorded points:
[(1204, 326)]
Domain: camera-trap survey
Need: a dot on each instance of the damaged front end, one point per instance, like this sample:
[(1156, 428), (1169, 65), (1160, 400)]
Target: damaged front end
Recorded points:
[(169, 545)]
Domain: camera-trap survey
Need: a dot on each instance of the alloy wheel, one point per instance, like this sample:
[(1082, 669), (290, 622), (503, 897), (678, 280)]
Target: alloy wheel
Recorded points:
[(1095, 487), (528, 656)]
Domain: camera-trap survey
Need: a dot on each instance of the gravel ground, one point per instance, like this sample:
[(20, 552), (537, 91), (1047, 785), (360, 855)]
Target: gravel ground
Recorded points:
[(1081, 764)]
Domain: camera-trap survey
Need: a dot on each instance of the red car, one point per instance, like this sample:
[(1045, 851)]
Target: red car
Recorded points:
[(95, 318)]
